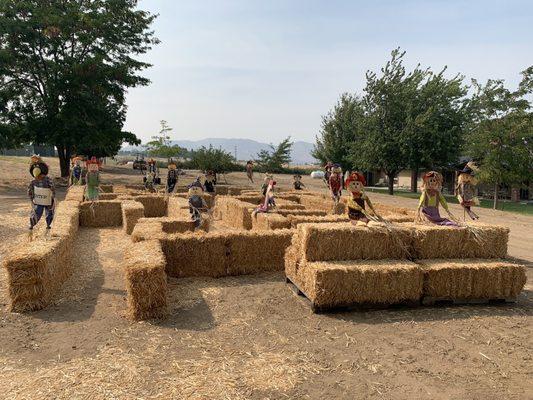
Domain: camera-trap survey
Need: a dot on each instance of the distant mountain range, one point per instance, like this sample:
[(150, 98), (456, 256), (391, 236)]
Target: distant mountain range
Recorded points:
[(245, 149)]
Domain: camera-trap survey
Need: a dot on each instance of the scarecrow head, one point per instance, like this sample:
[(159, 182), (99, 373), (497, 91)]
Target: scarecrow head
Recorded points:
[(297, 178), (355, 183), (35, 159), (92, 165), (209, 176), (195, 189), (172, 165), (268, 177), (336, 169), (467, 174), (38, 168), (432, 180)]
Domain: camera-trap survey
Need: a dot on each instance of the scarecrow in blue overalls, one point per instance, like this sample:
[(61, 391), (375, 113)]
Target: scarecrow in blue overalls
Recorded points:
[(41, 192)]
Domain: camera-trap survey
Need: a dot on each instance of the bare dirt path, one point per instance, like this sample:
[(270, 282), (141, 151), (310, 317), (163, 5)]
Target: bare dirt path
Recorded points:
[(250, 337)]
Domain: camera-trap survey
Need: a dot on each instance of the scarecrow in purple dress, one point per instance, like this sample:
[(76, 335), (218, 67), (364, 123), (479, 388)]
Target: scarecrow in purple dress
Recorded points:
[(431, 197)]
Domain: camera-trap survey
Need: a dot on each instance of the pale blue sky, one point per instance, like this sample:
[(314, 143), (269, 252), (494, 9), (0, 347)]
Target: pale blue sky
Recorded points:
[(268, 69)]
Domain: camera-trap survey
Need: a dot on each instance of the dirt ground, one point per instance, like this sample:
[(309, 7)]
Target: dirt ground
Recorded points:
[(250, 337)]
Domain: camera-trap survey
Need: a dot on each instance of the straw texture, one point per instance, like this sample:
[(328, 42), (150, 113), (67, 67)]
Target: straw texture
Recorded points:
[(132, 211)]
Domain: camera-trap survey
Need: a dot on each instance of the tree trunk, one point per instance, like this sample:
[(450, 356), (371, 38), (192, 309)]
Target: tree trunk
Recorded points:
[(496, 189), (63, 153), (414, 180), (390, 177)]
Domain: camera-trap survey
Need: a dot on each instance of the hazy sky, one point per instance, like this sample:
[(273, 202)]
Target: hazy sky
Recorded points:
[(267, 69)]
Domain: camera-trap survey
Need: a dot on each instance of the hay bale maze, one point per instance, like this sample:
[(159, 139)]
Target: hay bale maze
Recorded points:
[(338, 265)]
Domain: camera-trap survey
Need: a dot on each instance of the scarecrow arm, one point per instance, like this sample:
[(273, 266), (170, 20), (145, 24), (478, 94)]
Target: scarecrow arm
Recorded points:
[(369, 203), (443, 202)]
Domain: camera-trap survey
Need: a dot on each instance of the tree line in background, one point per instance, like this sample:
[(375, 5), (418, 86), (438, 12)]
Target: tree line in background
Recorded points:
[(420, 119)]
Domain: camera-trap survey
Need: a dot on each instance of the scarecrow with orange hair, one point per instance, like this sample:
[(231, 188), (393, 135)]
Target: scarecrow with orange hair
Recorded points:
[(431, 197), (357, 202)]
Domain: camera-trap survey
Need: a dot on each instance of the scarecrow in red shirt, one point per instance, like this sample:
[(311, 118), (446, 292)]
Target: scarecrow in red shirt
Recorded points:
[(335, 183), (357, 202)]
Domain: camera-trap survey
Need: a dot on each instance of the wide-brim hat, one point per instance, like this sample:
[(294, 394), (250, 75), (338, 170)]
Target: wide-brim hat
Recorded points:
[(355, 176)]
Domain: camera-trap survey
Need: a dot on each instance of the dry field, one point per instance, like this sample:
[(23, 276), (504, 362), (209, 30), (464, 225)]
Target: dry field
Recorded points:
[(250, 337)]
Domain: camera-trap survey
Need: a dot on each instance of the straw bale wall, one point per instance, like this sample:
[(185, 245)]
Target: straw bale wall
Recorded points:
[(132, 211), (101, 213)]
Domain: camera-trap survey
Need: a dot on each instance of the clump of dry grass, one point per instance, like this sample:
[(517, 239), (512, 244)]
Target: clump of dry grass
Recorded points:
[(472, 278), (346, 283), (146, 280), (269, 221), (132, 211)]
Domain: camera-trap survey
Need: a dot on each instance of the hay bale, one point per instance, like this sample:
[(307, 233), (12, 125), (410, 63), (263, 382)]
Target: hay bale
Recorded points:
[(254, 198), (101, 213), (472, 278), (66, 220), (269, 221), (285, 212), (350, 283), (172, 224), (106, 188), (132, 211), (154, 205), (383, 210), (295, 198), (345, 241), (147, 230), (289, 205), (398, 218), (480, 241), (146, 281), (219, 254), (108, 196), (177, 207), (36, 272), (296, 220), (75, 193), (234, 213), (321, 203)]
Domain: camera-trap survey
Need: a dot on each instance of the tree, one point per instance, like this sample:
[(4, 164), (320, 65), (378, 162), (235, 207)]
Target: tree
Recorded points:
[(161, 146), (209, 158), (64, 70), (501, 134), (340, 129), (273, 160)]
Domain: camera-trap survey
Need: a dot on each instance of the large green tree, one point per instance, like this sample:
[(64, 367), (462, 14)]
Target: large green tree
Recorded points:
[(340, 129), (501, 134), (411, 120), (276, 157), (65, 66)]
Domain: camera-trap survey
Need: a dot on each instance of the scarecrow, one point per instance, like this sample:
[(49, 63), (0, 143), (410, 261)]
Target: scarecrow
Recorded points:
[(250, 170), (269, 201), (41, 192), (431, 197), (327, 172), (335, 183), (197, 204), (357, 202), (466, 189), (149, 182), (210, 182), (92, 178), (266, 182), (152, 166), (298, 184), (172, 176), (76, 171)]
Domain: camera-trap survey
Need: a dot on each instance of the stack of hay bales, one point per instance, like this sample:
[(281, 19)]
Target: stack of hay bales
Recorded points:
[(296, 220), (132, 211), (320, 203), (37, 270), (217, 254), (341, 265), (177, 207), (146, 280), (154, 205)]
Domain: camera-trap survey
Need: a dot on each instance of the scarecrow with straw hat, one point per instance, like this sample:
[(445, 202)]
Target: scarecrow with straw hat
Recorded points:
[(197, 204), (172, 176), (357, 202), (210, 181), (298, 184), (41, 192), (335, 182), (466, 189), (431, 197), (92, 189)]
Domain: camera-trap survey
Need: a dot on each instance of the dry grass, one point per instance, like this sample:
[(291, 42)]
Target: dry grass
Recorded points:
[(146, 280), (472, 278), (372, 282), (100, 214), (132, 211)]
